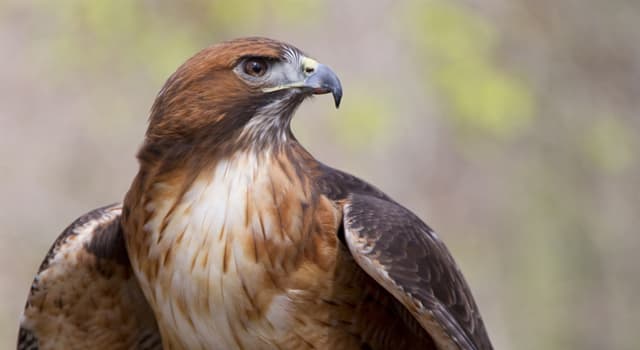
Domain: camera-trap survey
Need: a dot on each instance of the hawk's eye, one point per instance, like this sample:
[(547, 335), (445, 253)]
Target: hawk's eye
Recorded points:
[(255, 67)]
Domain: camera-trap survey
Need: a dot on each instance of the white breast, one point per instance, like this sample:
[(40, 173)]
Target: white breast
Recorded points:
[(206, 234)]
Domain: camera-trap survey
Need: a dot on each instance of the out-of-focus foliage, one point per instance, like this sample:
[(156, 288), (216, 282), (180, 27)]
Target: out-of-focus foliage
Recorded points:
[(543, 225), (366, 115), (461, 47), (610, 145), (251, 14), (116, 34), (155, 36)]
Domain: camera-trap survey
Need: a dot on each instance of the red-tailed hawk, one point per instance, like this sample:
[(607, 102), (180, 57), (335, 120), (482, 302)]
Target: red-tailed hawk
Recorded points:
[(232, 236)]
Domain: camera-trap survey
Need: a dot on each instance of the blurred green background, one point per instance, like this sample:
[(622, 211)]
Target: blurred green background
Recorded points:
[(511, 127)]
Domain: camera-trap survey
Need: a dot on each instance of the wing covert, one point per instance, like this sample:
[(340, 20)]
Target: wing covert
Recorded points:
[(406, 257), (85, 295)]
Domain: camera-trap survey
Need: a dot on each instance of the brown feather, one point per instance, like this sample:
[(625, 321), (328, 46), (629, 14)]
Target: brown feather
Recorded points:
[(85, 296)]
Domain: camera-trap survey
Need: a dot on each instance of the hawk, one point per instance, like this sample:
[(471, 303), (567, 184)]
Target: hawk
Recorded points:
[(232, 236)]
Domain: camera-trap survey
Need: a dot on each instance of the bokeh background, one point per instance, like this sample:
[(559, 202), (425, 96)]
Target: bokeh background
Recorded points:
[(510, 126)]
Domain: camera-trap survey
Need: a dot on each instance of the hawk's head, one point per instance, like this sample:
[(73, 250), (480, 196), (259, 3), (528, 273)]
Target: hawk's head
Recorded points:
[(235, 94)]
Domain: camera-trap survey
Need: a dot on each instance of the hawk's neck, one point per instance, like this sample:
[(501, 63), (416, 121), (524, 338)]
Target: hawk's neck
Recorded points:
[(220, 246)]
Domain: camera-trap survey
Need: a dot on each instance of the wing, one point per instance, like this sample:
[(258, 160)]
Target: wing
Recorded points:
[(85, 295), (406, 257)]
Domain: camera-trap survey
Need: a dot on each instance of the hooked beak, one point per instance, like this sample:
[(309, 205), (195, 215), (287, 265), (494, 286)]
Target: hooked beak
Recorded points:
[(316, 78), (322, 80)]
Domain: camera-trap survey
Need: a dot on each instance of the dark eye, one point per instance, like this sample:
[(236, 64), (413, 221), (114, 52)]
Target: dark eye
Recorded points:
[(255, 67)]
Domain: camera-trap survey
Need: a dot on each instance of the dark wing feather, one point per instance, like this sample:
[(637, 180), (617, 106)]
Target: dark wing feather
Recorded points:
[(406, 257), (85, 295)]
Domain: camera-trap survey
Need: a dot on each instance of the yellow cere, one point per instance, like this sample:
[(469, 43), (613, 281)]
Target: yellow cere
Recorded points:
[(308, 65)]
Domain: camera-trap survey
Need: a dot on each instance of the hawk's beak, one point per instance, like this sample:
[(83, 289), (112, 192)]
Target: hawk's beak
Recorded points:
[(322, 80), (317, 78)]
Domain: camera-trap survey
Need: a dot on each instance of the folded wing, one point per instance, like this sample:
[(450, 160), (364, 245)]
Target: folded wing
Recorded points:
[(85, 295), (406, 257)]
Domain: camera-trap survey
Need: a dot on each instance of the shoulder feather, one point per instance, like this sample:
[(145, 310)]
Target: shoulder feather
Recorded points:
[(85, 294)]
